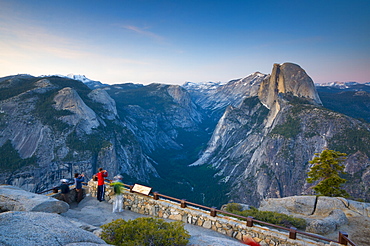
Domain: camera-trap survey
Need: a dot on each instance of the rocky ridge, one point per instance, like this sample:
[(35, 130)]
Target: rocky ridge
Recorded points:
[(214, 98)]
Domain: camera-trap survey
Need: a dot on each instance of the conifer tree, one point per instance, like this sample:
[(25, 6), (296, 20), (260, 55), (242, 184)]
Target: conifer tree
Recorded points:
[(327, 167)]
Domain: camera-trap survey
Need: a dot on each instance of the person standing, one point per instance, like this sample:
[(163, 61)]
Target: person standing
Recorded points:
[(79, 178), (118, 198), (101, 187), (64, 190)]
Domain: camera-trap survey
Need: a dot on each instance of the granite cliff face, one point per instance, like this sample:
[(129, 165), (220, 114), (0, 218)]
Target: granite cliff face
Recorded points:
[(159, 115), (286, 82), (261, 149), (53, 127)]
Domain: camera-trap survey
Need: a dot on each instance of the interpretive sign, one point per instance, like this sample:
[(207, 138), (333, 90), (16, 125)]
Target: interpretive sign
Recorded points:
[(141, 189)]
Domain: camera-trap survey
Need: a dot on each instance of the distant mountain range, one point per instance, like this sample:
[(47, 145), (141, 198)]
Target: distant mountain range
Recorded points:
[(342, 85), (244, 140)]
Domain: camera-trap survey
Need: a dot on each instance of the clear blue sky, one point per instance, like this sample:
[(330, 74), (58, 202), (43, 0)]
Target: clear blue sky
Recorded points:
[(146, 41)]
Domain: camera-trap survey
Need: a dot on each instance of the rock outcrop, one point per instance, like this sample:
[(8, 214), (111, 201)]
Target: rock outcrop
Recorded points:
[(325, 215), (68, 99), (31, 219), (102, 97), (286, 81), (38, 228), (15, 199)]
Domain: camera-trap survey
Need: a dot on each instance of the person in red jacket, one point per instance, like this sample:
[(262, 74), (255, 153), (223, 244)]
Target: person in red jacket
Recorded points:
[(101, 187)]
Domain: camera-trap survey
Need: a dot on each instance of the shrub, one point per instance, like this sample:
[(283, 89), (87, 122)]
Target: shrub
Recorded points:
[(145, 231), (268, 216), (290, 128), (233, 207)]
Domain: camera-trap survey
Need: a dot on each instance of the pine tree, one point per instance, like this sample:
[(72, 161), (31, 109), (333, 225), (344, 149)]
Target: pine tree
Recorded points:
[(327, 167)]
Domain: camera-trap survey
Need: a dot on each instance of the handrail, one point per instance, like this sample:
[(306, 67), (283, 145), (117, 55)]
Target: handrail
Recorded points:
[(343, 237), (56, 188)]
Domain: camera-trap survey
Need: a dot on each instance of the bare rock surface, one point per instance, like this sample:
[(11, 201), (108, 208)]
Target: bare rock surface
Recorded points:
[(15, 199), (38, 228), (326, 215)]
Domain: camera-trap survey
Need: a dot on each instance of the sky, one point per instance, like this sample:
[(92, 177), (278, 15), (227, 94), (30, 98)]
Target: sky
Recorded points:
[(172, 42)]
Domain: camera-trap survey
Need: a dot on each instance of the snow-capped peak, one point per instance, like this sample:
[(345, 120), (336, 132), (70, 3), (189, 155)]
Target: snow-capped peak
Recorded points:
[(79, 77), (92, 84)]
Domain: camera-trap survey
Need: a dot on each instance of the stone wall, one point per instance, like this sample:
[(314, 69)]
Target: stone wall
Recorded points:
[(232, 227)]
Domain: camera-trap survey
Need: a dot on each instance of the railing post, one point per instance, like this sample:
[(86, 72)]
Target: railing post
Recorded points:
[(342, 237), (183, 203), (250, 221), (155, 195), (213, 212), (293, 233)]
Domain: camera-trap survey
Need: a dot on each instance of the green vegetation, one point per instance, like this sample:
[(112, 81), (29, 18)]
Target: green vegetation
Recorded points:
[(44, 107), (351, 103), (10, 159), (92, 142), (294, 100), (289, 129), (251, 102), (267, 216), (153, 96), (16, 86), (196, 184), (352, 140), (326, 167), (145, 232), (47, 113)]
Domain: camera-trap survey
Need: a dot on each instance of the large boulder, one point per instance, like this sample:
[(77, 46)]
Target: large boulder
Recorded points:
[(328, 224), (324, 215), (15, 199), (303, 205), (327, 204), (38, 228), (320, 206)]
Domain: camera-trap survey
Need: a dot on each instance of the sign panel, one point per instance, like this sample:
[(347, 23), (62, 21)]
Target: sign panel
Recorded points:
[(141, 189)]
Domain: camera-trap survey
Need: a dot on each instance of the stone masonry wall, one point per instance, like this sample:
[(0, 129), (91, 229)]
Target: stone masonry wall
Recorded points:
[(232, 227)]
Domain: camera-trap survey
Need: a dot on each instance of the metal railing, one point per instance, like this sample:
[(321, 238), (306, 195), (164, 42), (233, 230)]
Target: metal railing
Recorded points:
[(56, 189), (343, 236)]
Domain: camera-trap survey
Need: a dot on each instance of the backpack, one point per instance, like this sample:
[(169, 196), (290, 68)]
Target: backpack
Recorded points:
[(117, 188)]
